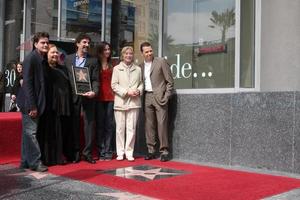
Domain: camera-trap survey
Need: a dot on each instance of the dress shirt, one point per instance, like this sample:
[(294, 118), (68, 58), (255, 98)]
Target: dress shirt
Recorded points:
[(148, 85), (80, 61)]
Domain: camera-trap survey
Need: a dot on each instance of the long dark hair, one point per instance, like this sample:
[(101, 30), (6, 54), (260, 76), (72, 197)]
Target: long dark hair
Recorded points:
[(100, 51), (18, 73)]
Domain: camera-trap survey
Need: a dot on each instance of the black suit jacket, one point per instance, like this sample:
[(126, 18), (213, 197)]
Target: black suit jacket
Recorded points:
[(92, 64), (32, 93)]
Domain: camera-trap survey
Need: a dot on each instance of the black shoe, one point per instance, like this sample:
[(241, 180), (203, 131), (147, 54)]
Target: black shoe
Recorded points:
[(101, 158), (23, 166), (108, 156), (164, 158), (89, 159), (150, 156), (76, 158), (63, 162), (40, 168)]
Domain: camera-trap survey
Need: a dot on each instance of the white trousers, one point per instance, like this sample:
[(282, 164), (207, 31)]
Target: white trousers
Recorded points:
[(126, 125)]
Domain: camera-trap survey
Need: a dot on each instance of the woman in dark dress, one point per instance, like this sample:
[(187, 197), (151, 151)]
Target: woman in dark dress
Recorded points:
[(55, 122)]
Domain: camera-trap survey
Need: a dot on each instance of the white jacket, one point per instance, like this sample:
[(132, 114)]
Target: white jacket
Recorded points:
[(124, 78)]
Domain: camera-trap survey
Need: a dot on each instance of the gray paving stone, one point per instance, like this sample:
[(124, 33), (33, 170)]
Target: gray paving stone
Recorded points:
[(16, 184), (290, 195)]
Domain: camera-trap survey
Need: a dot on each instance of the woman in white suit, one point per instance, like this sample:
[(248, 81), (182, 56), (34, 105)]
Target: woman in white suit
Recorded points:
[(127, 84)]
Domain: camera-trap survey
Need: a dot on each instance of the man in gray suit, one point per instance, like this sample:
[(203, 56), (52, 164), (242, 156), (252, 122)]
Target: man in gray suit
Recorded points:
[(85, 101), (158, 84)]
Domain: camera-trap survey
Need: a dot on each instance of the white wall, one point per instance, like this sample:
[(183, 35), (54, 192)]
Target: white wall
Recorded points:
[(280, 45)]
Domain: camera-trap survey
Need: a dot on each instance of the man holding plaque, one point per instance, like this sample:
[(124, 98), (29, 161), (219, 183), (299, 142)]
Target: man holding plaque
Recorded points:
[(83, 76)]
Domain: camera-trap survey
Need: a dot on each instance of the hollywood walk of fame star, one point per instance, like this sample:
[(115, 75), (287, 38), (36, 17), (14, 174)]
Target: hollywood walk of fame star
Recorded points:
[(81, 76), (36, 175), (125, 196), (148, 174)]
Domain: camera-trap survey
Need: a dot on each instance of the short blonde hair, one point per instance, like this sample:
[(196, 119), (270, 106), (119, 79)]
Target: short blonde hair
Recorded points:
[(124, 49)]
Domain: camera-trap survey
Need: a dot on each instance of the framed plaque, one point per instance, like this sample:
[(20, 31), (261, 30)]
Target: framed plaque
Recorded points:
[(82, 81)]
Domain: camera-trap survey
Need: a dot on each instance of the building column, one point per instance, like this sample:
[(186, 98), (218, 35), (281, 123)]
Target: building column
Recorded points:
[(2, 19)]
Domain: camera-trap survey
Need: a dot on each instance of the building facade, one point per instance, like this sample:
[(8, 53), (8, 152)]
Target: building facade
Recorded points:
[(235, 63)]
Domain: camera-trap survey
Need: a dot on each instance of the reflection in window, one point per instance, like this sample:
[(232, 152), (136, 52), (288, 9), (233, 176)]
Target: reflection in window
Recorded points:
[(108, 18), (200, 46), (81, 16), (44, 17), (247, 44), (12, 32), (131, 24)]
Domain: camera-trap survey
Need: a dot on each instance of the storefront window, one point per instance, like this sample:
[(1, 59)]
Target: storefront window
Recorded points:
[(199, 42), (81, 16), (133, 22)]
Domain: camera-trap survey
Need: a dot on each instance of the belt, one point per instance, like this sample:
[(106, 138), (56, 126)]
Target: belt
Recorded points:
[(149, 92)]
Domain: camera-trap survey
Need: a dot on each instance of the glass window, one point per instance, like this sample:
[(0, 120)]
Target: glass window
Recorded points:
[(12, 33), (131, 24), (199, 42), (81, 16), (247, 47), (41, 17), (44, 17)]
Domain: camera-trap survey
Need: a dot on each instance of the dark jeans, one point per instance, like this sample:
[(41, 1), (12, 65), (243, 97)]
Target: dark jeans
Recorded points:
[(105, 128), (30, 149)]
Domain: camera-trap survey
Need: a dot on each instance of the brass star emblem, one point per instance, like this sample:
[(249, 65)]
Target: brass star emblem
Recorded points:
[(149, 174), (81, 76)]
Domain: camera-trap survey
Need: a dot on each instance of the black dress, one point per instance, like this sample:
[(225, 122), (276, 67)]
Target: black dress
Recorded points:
[(17, 84), (15, 90), (55, 124)]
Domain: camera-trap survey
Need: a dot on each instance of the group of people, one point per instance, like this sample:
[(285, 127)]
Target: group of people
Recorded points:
[(52, 109)]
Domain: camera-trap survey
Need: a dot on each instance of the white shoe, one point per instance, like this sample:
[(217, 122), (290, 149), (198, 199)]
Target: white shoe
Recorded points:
[(120, 158), (130, 158)]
